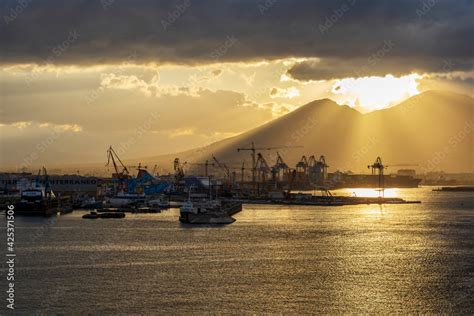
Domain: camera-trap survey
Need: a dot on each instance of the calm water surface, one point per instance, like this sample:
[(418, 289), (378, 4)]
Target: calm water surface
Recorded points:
[(416, 258)]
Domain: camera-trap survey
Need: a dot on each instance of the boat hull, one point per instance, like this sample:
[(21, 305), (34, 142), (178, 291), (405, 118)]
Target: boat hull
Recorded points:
[(222, 215), (205, 219), (36, 209)]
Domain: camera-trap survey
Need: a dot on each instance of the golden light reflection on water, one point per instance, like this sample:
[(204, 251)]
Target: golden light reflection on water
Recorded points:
[(364, 192)]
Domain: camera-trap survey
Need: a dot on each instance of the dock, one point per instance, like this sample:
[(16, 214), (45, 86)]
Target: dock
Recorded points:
[(331, 201)]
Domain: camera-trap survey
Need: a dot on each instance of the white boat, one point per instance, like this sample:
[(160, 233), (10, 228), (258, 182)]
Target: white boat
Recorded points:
[(161, 202)]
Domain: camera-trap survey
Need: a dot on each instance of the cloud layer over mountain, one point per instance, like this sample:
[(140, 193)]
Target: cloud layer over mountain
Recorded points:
[(340, 33)]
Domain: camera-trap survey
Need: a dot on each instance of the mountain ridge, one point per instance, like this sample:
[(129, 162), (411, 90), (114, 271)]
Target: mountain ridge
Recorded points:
[(350, 139), (433, 130)]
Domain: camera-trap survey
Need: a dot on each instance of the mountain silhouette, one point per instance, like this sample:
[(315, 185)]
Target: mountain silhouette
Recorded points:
[(428, 132)]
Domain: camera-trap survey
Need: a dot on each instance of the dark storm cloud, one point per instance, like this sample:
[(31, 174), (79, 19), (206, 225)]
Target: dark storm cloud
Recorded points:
[(334, 68), (425, 33)]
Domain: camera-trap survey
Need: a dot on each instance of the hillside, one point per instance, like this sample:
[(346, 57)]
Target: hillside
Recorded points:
[(432, 130), (428, 132)]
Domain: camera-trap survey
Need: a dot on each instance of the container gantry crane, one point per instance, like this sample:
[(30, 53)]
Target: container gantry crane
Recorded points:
[(279, 168), (302, 165), (262, 168), (253, 153), (322, 165), (378, 168)]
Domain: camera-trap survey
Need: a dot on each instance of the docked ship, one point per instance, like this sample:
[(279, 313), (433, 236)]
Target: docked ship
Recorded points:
[(40, 200), (37, 202), (209, 212), (372, 181)]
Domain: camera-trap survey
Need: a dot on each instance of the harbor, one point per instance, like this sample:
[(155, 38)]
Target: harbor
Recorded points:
[(269, 251), (210, 198), (237, 157)]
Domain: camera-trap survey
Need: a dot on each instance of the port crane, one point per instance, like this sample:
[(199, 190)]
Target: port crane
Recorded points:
[(113, 157), (139, 166), (322, 166), (223, 167), (378, 168), (291, 180), (279, 169), (241, 168), (302, 165), (262, 168), (178, 169), (45, 181), (311, 161), (205, 164), (253, 152)]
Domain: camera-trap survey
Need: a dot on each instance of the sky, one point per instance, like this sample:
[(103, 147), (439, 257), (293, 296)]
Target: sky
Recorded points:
[(166, 76)]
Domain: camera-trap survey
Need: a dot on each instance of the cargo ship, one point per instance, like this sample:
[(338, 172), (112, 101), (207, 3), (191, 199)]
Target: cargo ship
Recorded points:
[(456, 189), (372, 181)]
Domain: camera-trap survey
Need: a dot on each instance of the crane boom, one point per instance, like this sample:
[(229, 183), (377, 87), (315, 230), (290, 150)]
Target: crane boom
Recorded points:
[(204, 164), (222, 166), (111, 156), (253, 150)]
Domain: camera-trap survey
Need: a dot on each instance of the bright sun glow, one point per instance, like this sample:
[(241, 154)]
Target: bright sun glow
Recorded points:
[(375, 93), (363, 192)]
